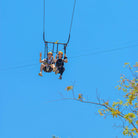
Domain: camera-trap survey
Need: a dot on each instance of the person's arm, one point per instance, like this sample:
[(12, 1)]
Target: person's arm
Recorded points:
[(65, 59), (40, 60)]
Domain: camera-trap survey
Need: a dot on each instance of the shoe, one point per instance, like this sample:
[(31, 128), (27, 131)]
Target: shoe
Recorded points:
[(40, 74), (60, 77), (56, 72)]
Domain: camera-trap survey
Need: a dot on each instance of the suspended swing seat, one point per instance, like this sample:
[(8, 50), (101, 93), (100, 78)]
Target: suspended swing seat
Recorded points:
[(47, 69)]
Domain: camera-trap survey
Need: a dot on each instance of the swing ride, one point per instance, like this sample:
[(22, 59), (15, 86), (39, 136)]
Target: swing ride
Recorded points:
[(50, 64)]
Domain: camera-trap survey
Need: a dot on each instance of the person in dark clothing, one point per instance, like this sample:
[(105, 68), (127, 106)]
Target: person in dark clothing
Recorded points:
[(60, 63)]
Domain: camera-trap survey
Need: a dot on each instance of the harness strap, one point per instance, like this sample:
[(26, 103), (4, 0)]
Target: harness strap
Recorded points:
[(53, 48), (57, 49), (65, 48), (46, 50)]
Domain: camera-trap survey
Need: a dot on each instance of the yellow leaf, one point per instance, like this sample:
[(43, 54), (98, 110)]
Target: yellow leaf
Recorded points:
[(126, 63), (134, 134), (132, 97), (130, 120), (137, 122), (80, 97), (125, 90), (136, 64), (126, 131), (133, 129), (136, 105), (106, 103), (101, 113), (114, 104), (123, 80), (127, 94), (126, 104), (115, 113), (69, 88), (119, 88), (56, 42), (131, 115), (121, 102)]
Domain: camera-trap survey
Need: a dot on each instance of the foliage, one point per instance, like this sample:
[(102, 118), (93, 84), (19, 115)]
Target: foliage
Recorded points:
[(127, 108)]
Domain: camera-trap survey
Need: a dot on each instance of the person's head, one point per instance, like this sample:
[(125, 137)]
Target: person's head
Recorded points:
[(50, 54), (60, 54)]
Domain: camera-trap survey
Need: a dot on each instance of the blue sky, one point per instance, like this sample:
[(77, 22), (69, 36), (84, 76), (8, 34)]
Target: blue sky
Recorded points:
[(98, 26)]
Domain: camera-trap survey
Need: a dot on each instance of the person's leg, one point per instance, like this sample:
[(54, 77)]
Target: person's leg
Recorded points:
[(57, 70), (41, 68), (61, 71), (53, 67)]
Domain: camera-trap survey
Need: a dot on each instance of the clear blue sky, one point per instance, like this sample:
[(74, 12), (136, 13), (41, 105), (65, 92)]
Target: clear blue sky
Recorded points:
[(98, 26)]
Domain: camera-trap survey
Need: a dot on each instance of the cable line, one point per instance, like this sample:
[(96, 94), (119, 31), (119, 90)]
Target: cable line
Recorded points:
[(105, 51), (71, 21), (57, 44), (18, 67), (44, 23), (90, 54), (44, 33)]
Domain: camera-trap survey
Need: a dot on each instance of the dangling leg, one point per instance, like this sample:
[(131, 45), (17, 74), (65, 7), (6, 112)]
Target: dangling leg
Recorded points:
[(56, 70), (41, 68), (62, 69), (53, 67)]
